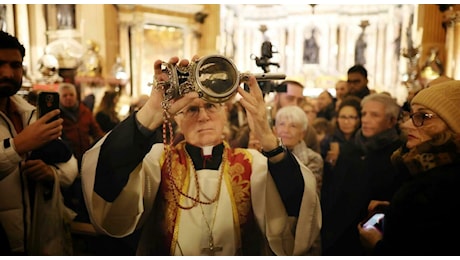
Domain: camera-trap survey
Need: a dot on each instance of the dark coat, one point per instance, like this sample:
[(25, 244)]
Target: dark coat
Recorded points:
[(385, 178), (80, 134), (4, 243), (105, 121), (363, 172), (344, 199), (362, 92), (422, 217)]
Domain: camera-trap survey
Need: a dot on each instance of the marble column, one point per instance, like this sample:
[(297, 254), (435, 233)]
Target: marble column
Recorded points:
[(456, 46), (22, 29)]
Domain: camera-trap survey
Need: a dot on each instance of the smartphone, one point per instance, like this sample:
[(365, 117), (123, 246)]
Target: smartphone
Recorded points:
[(375, 221), (46, 102)]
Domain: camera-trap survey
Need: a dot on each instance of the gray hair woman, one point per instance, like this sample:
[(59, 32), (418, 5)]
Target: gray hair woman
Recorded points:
[(291, 125)]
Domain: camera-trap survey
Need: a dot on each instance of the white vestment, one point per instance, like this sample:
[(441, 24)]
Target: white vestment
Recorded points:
[(285, 235), (194, 230)]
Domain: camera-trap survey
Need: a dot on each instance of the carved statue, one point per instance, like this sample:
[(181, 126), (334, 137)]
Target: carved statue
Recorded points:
[(433, 67), (360, 50), (311, 50), (91, 65), (361, 45)]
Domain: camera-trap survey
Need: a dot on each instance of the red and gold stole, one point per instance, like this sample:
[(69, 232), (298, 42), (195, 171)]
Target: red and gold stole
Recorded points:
[(237, 171)]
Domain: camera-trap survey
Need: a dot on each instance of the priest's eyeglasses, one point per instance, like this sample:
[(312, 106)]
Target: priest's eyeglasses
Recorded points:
[(419, 117), (194, 111)]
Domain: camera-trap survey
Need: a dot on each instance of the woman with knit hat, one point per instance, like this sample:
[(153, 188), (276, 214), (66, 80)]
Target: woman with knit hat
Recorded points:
[(422, 218)]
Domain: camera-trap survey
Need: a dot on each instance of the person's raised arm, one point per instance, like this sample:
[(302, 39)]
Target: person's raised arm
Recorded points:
[(284, 168), (254, 103), (38, 133), (124, 148)]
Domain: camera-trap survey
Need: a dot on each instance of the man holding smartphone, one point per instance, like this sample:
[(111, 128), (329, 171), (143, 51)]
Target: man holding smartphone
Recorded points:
[(21, 133)]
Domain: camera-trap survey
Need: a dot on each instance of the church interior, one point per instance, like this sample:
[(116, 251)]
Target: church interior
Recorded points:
[(402, 45), (101, 47)]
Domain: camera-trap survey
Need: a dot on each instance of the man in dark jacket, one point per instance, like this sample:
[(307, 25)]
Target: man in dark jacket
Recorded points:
[(363, 172), (357, 81)]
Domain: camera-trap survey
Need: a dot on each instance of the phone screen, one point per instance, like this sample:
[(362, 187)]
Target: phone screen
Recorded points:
[(46, 102), (375, 221)]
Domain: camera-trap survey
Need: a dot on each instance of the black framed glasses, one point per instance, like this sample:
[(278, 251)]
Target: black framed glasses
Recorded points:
[(419, 117), (194, 111)]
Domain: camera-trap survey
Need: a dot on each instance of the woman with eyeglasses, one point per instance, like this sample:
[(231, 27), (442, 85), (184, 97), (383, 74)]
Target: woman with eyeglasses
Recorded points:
[(337, 236), (422, 217), (346, 125)]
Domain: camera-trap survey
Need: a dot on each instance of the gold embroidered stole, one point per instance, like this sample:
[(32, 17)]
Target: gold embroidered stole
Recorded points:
[(237, 172)]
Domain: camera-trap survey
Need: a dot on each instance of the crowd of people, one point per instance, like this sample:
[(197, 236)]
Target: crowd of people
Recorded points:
[(293, 176)]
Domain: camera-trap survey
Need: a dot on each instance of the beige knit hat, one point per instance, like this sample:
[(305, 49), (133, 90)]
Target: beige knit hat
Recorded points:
[(444, 99)]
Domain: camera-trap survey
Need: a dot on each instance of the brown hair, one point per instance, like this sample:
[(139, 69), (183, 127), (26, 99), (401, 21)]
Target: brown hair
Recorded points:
[(108, 105)]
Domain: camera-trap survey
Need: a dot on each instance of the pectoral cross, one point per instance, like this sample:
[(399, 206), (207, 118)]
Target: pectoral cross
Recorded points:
[(212, 249)]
